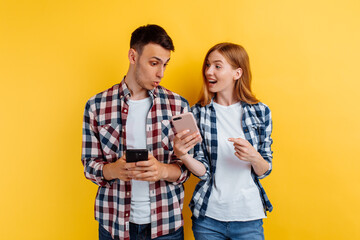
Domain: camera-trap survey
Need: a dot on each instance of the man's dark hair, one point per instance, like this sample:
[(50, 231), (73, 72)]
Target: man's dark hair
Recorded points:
[(150, 34)]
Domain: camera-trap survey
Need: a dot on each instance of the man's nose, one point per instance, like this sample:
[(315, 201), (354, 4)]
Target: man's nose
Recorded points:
[(160, 72)]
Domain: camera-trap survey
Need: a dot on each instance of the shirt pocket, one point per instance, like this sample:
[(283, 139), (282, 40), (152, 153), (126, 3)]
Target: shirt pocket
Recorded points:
[(167, 135), (109, 139)]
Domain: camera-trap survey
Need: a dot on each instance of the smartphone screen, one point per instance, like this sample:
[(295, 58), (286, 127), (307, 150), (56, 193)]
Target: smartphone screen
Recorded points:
[(135, 155)]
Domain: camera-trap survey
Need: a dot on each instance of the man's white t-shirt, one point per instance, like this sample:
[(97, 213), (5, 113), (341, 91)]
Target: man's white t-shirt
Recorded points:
[(136, 139), (234, 195)]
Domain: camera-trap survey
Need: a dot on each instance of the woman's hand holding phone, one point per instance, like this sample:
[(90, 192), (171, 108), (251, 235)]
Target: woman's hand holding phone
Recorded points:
[(187, 137), (184, 142), (187, 133)]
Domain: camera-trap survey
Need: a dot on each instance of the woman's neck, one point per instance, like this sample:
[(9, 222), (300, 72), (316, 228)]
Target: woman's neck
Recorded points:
[(225, 99)]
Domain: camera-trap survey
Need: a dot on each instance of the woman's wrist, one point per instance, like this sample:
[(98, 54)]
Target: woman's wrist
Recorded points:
[(256, 159), (184, 157)]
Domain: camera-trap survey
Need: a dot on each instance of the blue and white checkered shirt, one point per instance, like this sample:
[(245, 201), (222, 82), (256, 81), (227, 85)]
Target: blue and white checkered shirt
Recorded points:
[(257, 126)]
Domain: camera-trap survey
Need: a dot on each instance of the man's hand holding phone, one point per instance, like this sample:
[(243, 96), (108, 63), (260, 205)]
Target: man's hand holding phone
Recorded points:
[(151, 170), (118, 169)]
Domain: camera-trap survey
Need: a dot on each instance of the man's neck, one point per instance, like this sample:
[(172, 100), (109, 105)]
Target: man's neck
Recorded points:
[(136, 91)]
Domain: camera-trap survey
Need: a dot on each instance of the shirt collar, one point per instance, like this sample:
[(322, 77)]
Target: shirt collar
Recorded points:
[(211, 104), (125, 92)]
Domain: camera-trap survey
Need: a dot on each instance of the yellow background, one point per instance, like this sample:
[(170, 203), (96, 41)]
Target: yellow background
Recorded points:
[(304, 55)]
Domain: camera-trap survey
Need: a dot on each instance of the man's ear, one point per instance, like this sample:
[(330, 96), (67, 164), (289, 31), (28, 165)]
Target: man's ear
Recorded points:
[(132, 55), (238, 74)]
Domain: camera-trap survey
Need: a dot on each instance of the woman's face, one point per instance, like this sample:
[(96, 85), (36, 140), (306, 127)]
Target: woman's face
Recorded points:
[(220, 75)]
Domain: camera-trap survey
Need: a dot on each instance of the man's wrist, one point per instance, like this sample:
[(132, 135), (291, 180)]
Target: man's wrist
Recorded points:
[(164, 171), (107, 173), (170, 172)]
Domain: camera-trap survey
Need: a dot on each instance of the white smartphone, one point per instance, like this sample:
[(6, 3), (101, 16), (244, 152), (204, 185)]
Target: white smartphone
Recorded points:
[(184, 121)]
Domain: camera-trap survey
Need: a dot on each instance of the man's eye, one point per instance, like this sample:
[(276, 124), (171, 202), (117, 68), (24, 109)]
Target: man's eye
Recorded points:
[(153, 63), (165, 65)]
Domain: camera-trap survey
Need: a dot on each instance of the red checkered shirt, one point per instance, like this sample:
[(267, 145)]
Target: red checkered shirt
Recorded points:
[(104, 140)]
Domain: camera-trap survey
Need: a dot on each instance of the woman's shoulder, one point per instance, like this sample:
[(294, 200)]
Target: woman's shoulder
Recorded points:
[(260, 109), (261, 106), (197, 107)]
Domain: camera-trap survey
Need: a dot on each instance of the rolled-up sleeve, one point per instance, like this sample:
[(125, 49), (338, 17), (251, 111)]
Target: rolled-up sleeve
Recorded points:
[(92, 157), (266, 140), (200, 149)]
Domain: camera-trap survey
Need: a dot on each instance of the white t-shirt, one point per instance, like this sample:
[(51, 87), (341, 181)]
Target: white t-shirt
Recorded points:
[(135, 139), (234, 195)]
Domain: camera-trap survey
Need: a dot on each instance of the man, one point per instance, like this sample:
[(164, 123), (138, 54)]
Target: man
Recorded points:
[(141, 200)]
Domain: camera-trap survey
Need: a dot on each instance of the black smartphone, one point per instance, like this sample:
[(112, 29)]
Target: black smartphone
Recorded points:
[(135, 155)]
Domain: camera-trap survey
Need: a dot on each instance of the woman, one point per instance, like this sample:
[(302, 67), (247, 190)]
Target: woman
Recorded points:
[(235, 150)]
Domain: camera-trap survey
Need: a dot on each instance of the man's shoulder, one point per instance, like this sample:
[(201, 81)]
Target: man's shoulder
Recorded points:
[(104, 95), (168, 94)]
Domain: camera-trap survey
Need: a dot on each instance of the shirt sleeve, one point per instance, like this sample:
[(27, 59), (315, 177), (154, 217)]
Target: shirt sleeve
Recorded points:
[(200, 149), (185, 173), (266, 141), (92, 157)]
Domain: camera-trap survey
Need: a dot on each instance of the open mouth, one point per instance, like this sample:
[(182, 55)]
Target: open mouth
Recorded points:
[(212, 81)]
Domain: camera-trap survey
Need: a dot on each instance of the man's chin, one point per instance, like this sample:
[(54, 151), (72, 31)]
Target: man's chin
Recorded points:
[(152, 86)]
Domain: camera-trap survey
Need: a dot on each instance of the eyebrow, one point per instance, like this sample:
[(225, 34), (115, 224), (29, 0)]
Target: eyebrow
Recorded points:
[(218, 61), (160, 60)]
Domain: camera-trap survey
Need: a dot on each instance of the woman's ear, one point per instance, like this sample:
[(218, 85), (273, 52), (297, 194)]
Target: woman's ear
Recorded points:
[(132, 56), (238, 74)]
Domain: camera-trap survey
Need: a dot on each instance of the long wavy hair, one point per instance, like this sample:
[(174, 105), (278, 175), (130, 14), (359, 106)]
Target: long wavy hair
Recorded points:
[(237, 57)]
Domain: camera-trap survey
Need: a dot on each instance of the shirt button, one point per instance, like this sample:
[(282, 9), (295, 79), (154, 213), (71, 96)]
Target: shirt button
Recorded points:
[(128, 193), (125, 110), (127, 215)]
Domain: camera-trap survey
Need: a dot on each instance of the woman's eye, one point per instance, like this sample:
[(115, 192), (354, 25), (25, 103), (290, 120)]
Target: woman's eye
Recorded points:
[(153, 63), (218, 66), (207, 65)]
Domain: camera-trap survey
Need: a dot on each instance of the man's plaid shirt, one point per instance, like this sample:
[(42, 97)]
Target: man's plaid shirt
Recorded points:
[(104, 140), (257, 126)]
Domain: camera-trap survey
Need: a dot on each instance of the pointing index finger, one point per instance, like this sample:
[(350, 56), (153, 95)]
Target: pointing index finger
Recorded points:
[(239, 141)]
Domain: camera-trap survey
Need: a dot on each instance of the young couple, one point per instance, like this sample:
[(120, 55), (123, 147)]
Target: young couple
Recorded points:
[(232, 151)]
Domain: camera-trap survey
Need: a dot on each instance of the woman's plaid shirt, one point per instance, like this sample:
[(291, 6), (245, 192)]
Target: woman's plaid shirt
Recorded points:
[(257, 126), (104, 140)]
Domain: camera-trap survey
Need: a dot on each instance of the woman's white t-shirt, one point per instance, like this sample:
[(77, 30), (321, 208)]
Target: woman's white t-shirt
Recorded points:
[(234, 195)]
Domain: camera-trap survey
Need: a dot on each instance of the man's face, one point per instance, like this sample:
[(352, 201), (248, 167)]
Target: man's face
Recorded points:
[(150, 65)]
